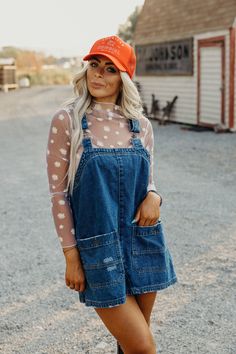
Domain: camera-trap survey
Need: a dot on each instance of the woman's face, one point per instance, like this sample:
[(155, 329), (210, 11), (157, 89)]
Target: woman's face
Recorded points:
[(103, 79)]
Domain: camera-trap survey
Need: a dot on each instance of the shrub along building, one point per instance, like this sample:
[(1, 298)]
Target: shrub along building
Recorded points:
[(186, 55)]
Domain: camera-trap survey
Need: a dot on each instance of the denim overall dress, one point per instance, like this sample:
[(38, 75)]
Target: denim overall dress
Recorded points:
[(118, 256)]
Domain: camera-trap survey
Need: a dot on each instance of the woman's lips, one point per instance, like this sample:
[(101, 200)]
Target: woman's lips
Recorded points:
[(96, 85)]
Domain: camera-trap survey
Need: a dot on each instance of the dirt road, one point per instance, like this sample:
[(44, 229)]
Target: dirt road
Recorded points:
[(196, 175)]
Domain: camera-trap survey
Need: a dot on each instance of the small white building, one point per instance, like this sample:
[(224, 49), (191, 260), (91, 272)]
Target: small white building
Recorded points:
[(187, 49)]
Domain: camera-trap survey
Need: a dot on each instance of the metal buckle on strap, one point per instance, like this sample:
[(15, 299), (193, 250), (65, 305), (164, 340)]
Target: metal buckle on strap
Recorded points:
[(86, 133)]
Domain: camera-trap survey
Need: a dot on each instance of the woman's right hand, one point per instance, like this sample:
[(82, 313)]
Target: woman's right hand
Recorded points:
[(74, 275)]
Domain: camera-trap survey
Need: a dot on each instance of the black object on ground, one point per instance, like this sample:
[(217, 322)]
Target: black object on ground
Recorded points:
[(119, 350)]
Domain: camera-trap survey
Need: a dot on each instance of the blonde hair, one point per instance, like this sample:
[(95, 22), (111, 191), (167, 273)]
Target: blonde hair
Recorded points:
[(128, 99)]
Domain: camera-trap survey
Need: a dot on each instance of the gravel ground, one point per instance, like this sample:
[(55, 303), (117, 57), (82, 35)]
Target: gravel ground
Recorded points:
[(196, 174)]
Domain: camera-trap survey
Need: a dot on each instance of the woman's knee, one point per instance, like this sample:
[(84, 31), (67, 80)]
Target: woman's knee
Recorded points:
[(144, 344), (145, 347), (128, 325)]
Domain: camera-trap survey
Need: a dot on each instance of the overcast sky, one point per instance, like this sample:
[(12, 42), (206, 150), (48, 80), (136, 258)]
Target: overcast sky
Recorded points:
[(61, 27)]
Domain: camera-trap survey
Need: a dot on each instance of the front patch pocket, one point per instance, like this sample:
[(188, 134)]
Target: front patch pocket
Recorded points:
[(101, 259), (149, 249)]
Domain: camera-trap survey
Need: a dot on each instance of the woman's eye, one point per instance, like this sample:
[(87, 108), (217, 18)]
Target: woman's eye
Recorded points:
[(111, 69), (93, 64)]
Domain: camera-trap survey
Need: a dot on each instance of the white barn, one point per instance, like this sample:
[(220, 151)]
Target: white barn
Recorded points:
[(187, 49)]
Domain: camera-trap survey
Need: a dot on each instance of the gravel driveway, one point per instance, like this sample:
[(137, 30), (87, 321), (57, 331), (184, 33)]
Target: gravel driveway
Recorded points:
[(196, 174)]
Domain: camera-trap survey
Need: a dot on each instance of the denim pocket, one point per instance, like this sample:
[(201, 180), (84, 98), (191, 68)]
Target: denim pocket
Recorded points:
[(148, 226), (102, 260), (149, 249)]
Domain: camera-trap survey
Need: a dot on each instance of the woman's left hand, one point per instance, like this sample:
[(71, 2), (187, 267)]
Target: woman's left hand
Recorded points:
[(148, 211)]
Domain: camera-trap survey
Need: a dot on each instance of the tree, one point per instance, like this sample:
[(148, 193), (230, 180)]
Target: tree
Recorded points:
[(9, 52), (30, 60), (126, 30)]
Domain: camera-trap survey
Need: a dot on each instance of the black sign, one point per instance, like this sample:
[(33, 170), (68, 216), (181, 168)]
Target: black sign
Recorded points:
[(165, 58)]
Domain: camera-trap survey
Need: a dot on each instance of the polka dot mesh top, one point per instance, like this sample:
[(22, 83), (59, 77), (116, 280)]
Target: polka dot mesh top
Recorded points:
[(107, 127)]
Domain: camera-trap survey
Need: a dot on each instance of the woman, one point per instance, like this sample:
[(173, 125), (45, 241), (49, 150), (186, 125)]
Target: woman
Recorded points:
[(104, 202)]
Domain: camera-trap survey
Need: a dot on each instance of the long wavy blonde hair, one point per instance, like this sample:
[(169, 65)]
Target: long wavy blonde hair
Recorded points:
[(128, 99)]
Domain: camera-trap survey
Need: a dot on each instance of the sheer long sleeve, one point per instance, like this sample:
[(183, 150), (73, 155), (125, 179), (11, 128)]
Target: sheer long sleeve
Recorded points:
[(149, 145), (57, 157)]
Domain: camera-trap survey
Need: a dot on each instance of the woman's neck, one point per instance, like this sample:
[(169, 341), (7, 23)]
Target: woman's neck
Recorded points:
[(104, 105)]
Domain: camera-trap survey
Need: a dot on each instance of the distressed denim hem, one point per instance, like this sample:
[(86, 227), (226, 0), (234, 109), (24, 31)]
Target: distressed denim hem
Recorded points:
[(105, 304), (147, 289)]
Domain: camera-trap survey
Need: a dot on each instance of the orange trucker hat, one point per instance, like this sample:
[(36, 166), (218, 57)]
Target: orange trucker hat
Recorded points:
[(118, 51)]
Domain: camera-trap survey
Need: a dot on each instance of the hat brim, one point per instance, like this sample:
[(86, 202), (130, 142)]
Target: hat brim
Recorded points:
[(114, 60)]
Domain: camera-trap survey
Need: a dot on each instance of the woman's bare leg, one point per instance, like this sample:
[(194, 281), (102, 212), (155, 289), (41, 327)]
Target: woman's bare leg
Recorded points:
[(146, 302), (128, 325)]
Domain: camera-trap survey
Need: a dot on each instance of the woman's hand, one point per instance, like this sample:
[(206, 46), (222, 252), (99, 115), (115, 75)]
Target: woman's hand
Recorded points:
[(74, 275), (148, 211)]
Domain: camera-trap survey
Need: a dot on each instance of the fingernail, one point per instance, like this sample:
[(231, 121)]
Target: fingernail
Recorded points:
[(133, 221)]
